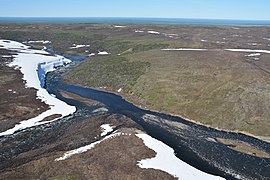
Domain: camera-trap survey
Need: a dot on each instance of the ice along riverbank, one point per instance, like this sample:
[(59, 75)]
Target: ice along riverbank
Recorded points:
[(34, 65)]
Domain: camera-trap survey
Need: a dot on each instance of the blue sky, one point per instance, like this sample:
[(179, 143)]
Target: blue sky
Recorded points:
[(211, 9)]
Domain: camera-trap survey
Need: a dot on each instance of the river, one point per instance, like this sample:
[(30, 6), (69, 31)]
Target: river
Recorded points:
[(192, 143)]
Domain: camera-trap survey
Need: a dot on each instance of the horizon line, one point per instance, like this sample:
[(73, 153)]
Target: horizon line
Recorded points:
[(228, 19)]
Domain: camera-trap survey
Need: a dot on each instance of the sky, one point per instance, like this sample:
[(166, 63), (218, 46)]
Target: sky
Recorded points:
[(205, 9)]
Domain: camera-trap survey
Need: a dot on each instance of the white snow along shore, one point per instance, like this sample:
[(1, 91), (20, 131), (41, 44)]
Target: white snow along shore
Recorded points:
[(165, 160), (86, 148), (76, 46), (39, 41), (183, 49), (103, 53), (106, 128), (249, 50), (153, 32), (34, 64)]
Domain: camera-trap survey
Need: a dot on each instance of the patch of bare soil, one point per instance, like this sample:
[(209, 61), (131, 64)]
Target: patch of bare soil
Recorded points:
[(52, 117), (243, 147), (69, 95), (17, 102), (114, 158)]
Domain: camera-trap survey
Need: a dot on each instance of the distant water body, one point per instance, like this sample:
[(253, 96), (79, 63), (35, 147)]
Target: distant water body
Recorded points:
[(158, 21)]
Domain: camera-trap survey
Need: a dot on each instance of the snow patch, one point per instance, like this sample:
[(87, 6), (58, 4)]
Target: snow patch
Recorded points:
[(106, 128), (183, 49), (254, 54), (153, 32), (103, 53), (253, 44), (48, 66), (34, 65), (120, 26), (119, 90), (92, 54), (139, 31), (7, 44), (267, 39), (84, 148), (75, 46), (171, 35), (100, 110), (220, 42), (6, 56), (249, 50), (211, 139), (41, 41), (166, 160)]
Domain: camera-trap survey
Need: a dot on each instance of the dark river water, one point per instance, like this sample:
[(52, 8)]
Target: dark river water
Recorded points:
[(192, 143)]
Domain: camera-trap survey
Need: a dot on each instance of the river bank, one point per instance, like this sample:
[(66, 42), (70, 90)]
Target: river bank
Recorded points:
[(139, 103), (198, 134)]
